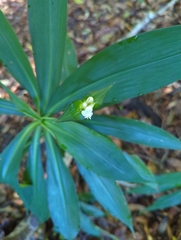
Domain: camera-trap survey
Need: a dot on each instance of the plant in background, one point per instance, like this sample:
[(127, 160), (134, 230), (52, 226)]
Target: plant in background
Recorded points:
[(124, 70)]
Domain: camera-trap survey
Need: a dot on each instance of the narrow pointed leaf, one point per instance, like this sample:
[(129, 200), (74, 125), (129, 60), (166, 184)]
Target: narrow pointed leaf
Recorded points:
[(166, 201), (99, 95), (88, 226), (9, 108), (10, 160), (74, 111), (15, 60), (109, 195), (70, 59), (25, 194), (12, 155), (135, 131), (165, 182), (135, 66), (141, 169), (62, 198), (91, 210), (39, 203), (20, 104), (95, 152), (47, 22)]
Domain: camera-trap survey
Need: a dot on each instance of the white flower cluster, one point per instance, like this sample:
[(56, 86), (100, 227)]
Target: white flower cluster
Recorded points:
[(87, 108)]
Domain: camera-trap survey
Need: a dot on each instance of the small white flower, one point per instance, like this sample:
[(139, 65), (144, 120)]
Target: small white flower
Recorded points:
[(84, 105), (87, 113), (87, 108), (90, 100)]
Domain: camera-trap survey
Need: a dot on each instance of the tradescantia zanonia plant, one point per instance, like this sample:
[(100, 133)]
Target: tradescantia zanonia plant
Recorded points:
[(126, 69)]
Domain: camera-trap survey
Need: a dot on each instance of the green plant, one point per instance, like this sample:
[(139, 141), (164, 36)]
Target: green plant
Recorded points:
[(127, 69)]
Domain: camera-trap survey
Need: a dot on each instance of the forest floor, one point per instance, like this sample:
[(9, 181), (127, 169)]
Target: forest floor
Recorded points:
[(94, 25)]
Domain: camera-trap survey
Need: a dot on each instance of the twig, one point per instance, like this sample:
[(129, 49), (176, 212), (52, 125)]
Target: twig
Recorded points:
[(149, 17)]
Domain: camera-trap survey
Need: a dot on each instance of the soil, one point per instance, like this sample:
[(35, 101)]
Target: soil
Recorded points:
[(94, 25)]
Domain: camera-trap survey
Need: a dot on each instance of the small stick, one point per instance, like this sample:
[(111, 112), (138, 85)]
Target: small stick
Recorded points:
[(149, 17)]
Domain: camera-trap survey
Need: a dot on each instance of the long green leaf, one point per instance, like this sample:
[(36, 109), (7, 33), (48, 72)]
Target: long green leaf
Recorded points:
[(15, 60), (165, 182), (166, 201), (25, 193), (47, 22), (141, 169), (62, 198), (12, 155), (135, 66), (20, 104), (109, 195), (9, 108), (39, 203), (91, 210), (95, 152), (88, 226), (10, 160), (133, 131), (70, 60)]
